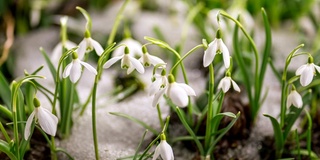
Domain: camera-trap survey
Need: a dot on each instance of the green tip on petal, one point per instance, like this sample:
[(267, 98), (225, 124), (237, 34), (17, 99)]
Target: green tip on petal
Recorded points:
[(36, 102), (163, 136), (144, 50), (74, 55), (163, 72), (171, 78), (219, 34), (126, 50)]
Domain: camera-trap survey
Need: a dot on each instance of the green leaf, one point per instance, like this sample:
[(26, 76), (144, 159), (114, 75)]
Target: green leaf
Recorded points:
[(5, 91), (305, 152), (277, 134), (5, 148), (49, 63), (136, 121), (290, 119), (224, 130)]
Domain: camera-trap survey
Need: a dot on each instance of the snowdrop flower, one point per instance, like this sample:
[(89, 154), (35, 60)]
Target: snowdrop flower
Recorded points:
[(133, 45), (307, 71), (216, 46), (163, 149), (146, 59), (225, 84), (294, 98), (127, 62), (48, 121), (73, 69), (158, 82), (179, 92), (88, 44)]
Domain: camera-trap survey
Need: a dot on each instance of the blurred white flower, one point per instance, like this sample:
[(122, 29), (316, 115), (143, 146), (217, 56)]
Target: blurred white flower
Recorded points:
[(57, 50), (225, 84), (87, 45), (133, 45), (146, 59), (159, 82), (48, 121), (306, 72), (294, 98), (216, 46), (127, 62), (164, 150), (73, 69)]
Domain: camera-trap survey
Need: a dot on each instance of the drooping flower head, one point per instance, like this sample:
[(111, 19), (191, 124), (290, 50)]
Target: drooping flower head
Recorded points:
[(226, 82), (216, 47), (307, 71), (47, 121), (294, 98), (73, 69), (146, 59), (158, 82), (179, 92), (127, 62), (88, 44), (163, 149)]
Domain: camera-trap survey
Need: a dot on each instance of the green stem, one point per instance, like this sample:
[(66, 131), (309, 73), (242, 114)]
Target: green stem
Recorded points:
[(117, 23), (69, 111), (208, 138), (53, 149), (160, 116), (16, 134), (185, 56), (94, 126)]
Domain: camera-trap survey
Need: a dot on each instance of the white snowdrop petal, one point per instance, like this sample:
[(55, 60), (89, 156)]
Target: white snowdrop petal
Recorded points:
[(235, 86), (225, 55), (210, 53), (136, 64), (97, 47), (82, 49), (157, 97), (306, 76), (75, 72), (89, 67), (301, 69), (167, 153), (187, 89), (130, 69), (111, 61), (289, 100), (178, 96), (155, 60), (47, 121), (156, 153), (317, 68), (28, 126), (154, 87), (67, 70), (296, 99)]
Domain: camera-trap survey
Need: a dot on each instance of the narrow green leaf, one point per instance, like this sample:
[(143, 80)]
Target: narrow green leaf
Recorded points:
[(5, 111), (225, 130), (143, 124), (140, 143), (5, 91), (58, 149), (309, 132), (290, 119), (5, 148), (277, 134), (49, 63)]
